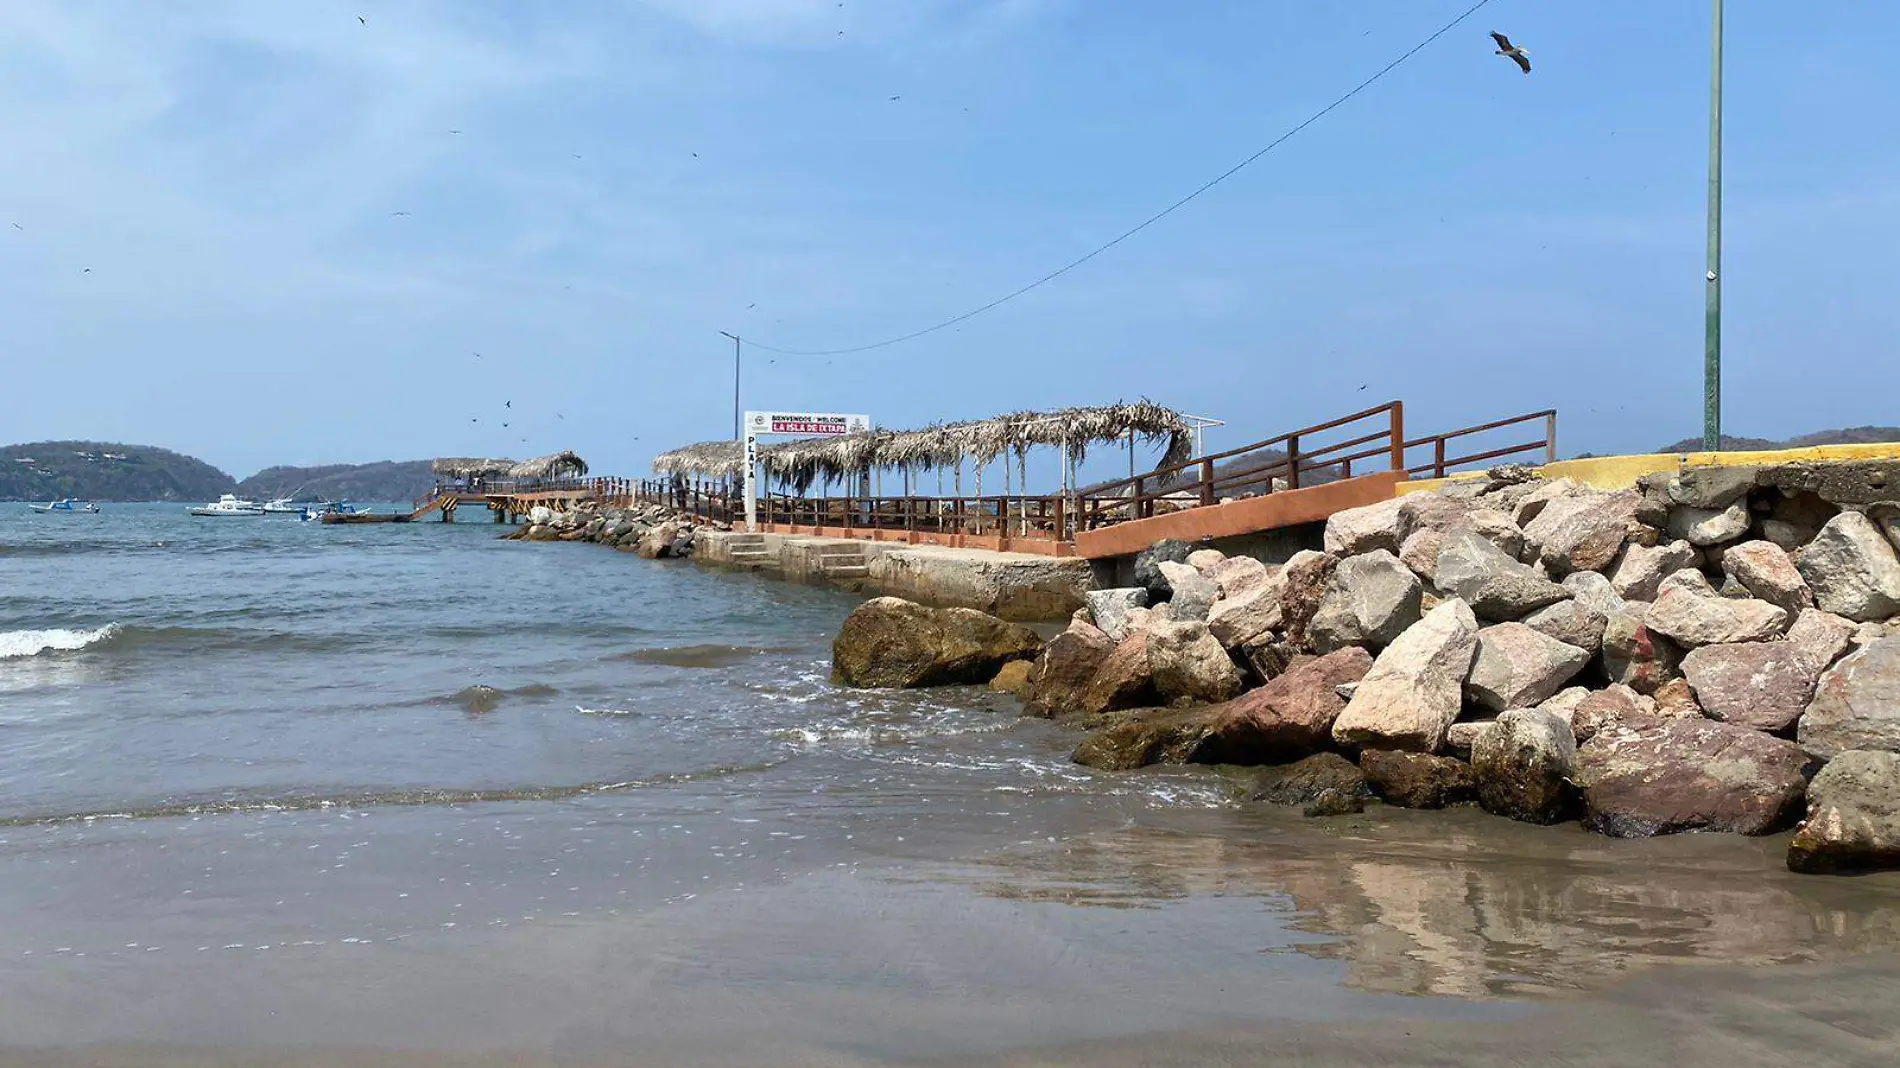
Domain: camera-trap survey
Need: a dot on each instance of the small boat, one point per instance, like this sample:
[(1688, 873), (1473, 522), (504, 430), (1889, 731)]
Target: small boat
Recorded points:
[(283, 506), (65, 504), (229, 505), (317, 511)]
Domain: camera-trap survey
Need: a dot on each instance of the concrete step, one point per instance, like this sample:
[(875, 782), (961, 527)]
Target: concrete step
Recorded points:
[(848, 571), (749, 554)]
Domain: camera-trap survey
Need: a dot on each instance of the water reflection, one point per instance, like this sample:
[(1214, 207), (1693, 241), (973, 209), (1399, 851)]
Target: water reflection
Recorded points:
[(1460, 904)]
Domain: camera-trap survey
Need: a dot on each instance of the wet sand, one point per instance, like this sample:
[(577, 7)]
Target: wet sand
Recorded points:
[(1199, 937)]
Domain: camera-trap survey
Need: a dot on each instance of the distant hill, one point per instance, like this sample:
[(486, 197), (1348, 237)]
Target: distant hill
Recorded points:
[(385, 480), (1853, 435), (103, 471)]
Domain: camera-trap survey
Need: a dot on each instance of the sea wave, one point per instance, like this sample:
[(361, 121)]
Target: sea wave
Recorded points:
[(396, 797), (18, 644)]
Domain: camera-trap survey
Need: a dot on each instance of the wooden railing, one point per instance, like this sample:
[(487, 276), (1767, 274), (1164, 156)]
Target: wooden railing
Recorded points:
[(1377, 445), (1442, 461)]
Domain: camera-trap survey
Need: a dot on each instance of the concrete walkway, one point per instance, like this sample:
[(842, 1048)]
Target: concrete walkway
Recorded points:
[(1018, 586)]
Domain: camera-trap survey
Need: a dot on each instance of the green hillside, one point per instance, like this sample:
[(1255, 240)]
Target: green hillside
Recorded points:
[(386, 480), (104, 471)]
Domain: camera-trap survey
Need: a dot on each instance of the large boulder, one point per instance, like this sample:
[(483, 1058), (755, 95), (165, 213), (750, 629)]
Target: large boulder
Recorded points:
[(1496, 528), (1523, 763), (1065, 669), (1361, 530), (1852, 569), (1303, 586), (1528, 505), (1764, 685), (1638, 657), (1205, 561), (1109, 608), (1572, 622), (1415, 688), (1766, 571), (1857, 704), (1012, 678), (1473, 569), (1595, 592), (1689, 775), (1518, 667), (1148, 571), (1708, 526), (1420, 552), (1236, 575), (1822, 637), (1642, 568), (1371, 599), (1292, 715), (1188, 665), (1690, 612), (1302, 782), (1583, 532), (1616, 705), (1418, 780), (1711, 486), (1125, 679), (1853, 820), (1247, 616), (1190, 593), (1287, 719), (891, 642)]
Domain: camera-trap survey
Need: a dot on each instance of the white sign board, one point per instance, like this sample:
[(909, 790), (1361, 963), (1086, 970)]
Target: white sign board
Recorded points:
[(808, 424), (801, 424)]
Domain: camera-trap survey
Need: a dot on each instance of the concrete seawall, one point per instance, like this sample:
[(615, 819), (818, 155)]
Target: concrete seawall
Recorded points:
[(1014, 586)]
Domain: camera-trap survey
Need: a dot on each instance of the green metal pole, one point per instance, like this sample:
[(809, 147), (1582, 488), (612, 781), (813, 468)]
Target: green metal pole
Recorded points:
[(1712, 330)]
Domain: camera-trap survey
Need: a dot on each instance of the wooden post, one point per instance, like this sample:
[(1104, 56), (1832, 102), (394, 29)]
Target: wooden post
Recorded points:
[(1207, 482), (1136, 509), (1438, 457), (1292, 463), (1550, 437), (1398, 436)]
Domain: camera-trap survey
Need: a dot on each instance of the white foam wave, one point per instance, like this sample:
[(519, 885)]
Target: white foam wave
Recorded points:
[(15, 644)]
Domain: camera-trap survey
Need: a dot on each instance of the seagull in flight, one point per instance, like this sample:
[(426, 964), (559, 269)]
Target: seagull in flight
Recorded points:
[(507, 404), (20, 228), (897, 98), (1521, 56), (399, 215), (362, 20)]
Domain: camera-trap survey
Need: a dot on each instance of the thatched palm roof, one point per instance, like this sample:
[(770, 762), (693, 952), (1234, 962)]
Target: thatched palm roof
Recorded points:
[(807, 461), (470, 467), (564, 464)]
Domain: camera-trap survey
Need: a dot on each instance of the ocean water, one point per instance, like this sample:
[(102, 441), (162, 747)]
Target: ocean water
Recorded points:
[(272, 785)]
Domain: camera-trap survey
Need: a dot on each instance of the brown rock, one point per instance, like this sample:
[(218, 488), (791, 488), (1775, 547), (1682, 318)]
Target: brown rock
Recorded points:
[(1065, 669), (1572, 622), (1420, 552), (1187, 664), (1418, 780), (1768, 572), (1013, 677), (1518, 667), (1302, 782), (1675, 699), (1822, 637), (1305, 578), (1641, 569), (891, 642), (1691, 613), (1583, 532), (1764, 685), (1616, 706), (1636, 656), (1689, 775)]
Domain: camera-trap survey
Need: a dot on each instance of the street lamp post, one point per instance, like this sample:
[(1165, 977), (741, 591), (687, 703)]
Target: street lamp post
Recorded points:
[(1712, 328), (735, 383)]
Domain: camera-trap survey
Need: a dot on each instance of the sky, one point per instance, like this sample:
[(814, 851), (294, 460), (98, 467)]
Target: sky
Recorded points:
[(281, 233)]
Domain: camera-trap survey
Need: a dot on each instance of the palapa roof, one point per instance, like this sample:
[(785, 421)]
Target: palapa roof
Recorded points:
[(470, 467), (806, 461), (564, 464)]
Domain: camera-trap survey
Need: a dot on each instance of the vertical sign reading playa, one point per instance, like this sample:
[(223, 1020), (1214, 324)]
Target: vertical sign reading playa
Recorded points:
[(801, 424)]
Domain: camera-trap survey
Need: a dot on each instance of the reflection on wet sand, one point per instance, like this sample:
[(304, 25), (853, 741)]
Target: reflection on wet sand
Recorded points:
[(1460, 904)]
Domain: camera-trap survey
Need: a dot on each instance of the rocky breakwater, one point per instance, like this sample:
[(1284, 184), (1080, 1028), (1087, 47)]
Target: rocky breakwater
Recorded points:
[(649, 530), (1715, 650)]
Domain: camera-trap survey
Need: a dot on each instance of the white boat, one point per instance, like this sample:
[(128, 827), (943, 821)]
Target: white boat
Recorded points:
[(283, 506), (229, 504), (65, 504)]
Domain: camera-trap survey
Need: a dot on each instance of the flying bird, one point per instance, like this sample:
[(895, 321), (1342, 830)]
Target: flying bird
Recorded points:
[(507, 404), (20, 228), (504, 424), (478, 355), (86, 271), (1521, 56), (752, 305), (455, 131), (897, 98), (362, 20), (398, 214)]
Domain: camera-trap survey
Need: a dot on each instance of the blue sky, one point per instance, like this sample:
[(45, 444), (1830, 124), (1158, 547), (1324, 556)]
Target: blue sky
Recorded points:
[(1474, 241)]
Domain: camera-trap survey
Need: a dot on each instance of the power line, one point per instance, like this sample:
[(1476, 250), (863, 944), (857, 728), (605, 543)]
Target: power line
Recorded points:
[(1150, 220)]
